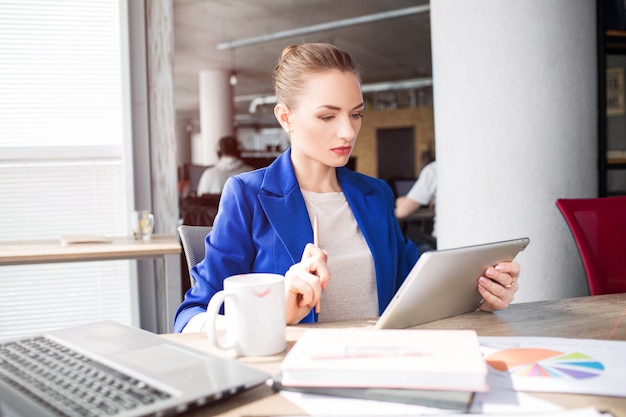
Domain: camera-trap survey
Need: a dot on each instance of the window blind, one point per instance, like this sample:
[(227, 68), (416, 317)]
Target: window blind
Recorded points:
[(62, 161), (60, 73)]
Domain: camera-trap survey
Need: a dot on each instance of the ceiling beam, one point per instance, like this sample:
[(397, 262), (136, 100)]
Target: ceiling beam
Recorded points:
[(324, 26)]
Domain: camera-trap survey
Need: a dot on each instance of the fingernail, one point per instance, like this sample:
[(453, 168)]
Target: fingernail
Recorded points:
[(499, 267)]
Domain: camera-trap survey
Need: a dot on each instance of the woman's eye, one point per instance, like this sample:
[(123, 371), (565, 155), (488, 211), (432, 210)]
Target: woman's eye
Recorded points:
[(327, 118), (356, 116)]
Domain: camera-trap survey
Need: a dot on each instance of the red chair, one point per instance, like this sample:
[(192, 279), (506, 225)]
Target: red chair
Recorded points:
[(598, 226)]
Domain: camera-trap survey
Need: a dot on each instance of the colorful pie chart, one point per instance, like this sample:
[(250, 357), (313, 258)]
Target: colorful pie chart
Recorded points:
[(545, 363)]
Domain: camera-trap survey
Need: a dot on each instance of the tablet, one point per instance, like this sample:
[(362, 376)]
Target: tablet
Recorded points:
[(443, 283)]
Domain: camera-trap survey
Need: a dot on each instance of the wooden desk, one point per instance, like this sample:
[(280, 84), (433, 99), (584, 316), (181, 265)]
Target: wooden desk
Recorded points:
[(598, 317), (165, 248), (421, 214)]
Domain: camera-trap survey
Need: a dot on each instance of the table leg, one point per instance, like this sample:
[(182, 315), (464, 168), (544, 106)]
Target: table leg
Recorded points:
[(169, 289)]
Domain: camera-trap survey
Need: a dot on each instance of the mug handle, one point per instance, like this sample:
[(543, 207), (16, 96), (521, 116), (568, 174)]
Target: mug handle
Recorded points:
[(212, 311)]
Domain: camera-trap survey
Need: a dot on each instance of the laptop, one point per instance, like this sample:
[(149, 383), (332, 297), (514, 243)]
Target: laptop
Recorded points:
[(443, 283), (114, 370), (402, 186)]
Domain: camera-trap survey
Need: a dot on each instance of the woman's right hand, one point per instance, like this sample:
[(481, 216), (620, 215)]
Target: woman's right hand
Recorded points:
[(304, 283)]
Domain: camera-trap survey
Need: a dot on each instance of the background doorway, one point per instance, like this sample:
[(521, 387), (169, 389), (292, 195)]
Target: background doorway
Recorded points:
[(396, 153)]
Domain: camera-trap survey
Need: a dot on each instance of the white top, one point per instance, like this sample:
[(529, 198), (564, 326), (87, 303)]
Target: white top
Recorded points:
[(426, 185), (351, 292), (213, 178), (425, 188)]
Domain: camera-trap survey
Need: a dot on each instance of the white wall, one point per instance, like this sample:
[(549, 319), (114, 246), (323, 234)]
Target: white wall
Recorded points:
[(515, 85)]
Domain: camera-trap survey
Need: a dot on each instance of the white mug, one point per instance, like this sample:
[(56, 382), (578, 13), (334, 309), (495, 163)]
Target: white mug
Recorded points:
[(254, 309)]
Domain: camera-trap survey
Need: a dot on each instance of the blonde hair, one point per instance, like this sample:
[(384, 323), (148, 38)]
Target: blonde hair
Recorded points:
[(298, 62)]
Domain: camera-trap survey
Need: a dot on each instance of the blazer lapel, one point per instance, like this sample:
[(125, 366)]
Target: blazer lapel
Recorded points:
[(367, 204), (284, 206)]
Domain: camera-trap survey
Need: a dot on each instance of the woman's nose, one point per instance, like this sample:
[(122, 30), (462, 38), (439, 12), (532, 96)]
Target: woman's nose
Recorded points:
[(347, 128)]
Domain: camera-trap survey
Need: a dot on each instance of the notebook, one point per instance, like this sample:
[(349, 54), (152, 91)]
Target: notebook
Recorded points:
[(115, 370), (443, 283), (451, 400)]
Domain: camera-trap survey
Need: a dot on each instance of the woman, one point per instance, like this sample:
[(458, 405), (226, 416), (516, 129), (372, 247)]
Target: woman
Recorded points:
[(264, 223)]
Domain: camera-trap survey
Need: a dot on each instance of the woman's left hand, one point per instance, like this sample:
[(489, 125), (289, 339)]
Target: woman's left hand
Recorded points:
[(498, 286)]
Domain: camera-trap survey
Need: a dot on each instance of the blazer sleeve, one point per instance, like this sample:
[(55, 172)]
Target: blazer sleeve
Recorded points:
[(229, 250)]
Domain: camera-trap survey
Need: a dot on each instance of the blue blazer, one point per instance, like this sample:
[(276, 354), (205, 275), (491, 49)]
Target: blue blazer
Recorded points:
[(263, 225)]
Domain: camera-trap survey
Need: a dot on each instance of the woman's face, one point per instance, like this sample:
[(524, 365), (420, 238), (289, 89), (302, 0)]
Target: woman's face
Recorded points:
[(326, 119)]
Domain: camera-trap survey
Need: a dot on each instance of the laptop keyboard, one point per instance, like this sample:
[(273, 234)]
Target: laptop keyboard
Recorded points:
[(69, 383)]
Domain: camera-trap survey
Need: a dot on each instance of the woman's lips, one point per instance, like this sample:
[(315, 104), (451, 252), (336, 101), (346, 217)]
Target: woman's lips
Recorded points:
[(343, 150)]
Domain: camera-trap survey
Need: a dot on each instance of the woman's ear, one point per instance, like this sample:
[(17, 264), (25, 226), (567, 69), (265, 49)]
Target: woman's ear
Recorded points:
[(282, 115)]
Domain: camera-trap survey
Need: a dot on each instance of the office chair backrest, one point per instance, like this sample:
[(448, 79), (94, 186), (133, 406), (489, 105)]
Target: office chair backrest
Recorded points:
[(200, 211), (598, 226), (192, 238)]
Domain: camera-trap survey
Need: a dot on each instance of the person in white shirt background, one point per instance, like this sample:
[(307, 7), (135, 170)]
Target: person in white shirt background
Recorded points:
[(421, 194), (229, 164)]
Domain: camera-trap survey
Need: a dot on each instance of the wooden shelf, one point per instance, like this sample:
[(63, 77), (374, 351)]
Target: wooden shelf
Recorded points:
[(611, 40), (617, 33)]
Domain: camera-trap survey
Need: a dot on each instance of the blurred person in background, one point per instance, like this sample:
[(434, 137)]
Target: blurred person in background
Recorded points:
[(229, 164)]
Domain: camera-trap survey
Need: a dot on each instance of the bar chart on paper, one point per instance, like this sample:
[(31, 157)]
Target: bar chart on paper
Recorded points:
[(548, 364)]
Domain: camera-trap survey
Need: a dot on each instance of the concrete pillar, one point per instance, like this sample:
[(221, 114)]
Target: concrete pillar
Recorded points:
[(515, 103), (216, 115), (163, 145), (151, 26)]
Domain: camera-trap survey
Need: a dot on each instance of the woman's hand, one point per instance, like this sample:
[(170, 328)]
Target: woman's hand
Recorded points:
[(498, 286), (304, 283)]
